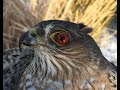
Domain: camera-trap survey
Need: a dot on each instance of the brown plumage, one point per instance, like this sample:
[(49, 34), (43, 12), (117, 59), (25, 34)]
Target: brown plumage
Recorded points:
[(65, 58)]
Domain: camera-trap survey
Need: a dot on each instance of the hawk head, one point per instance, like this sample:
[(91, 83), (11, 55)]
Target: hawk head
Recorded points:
[(62, 48)]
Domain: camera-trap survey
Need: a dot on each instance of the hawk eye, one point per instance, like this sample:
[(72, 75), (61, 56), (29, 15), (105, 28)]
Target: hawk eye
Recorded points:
[(60, 38)]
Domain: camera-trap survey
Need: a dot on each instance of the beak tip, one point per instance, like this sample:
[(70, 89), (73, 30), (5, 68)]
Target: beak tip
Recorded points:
[(22, 38)]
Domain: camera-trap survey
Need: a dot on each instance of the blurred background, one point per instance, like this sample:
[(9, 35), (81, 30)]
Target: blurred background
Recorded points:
[(20, 15)]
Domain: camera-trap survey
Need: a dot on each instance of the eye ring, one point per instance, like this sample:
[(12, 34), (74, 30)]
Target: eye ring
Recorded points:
[(60, 38)]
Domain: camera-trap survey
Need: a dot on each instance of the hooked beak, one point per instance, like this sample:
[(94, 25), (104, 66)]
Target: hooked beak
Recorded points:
[(26, 39)]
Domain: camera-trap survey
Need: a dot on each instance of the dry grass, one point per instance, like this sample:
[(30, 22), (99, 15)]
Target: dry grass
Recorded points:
[(20, 15)]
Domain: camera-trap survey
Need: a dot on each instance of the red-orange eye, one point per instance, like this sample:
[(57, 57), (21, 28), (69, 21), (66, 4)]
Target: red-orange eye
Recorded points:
[(61, 38)]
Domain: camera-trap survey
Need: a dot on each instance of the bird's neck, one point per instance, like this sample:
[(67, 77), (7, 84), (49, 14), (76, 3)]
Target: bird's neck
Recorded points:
[(45, 65)]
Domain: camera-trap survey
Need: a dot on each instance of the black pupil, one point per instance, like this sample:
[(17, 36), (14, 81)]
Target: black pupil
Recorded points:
[(62, 38)]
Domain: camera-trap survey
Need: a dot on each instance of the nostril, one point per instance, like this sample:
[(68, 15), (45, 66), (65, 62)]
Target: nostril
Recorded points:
[(33, 34)]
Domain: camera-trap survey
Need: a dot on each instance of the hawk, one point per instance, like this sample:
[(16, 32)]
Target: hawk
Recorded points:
[(59, 55)]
